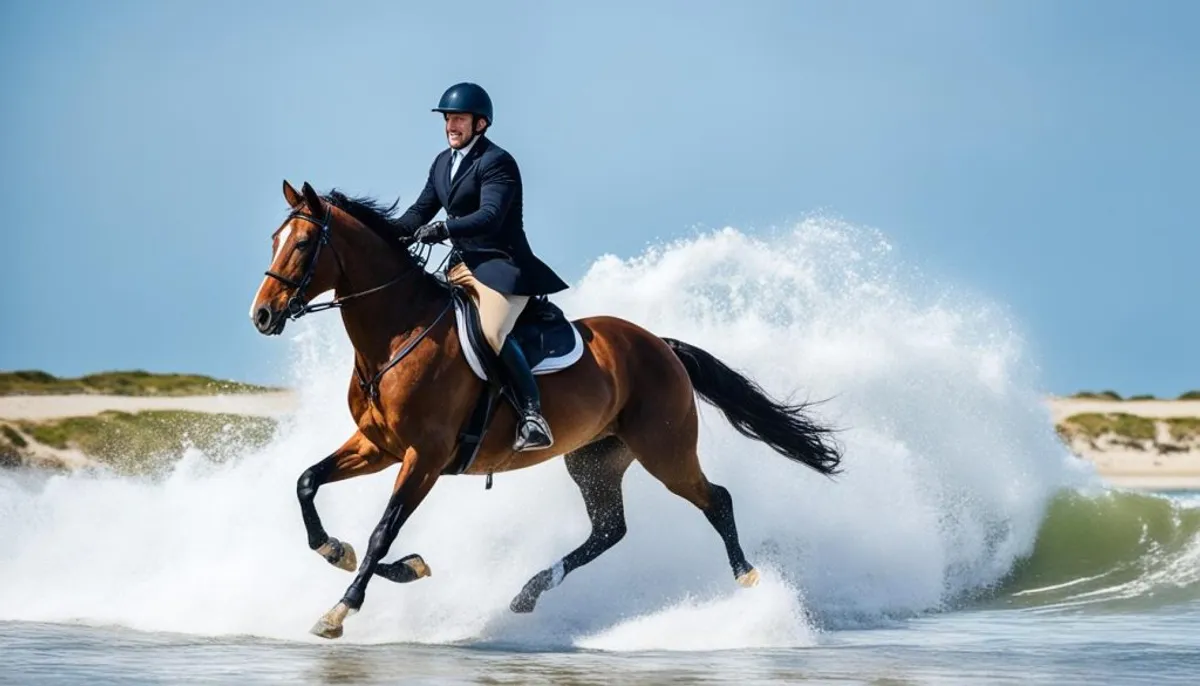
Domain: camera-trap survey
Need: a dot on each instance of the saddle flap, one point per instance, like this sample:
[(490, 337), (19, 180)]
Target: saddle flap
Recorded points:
[(548, 339)]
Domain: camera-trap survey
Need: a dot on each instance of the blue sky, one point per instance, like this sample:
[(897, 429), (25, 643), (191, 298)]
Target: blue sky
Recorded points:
[(1044, 154)]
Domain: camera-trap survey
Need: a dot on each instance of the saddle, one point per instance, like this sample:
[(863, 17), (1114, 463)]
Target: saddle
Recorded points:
[(549, 341)]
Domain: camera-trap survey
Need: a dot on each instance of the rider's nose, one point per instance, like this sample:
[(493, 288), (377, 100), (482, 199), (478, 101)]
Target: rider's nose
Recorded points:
[(262, 319)]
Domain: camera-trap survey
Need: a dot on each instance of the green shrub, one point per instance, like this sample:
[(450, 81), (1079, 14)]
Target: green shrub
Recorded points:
[(1183, 429), (145, 442), (14, 437), (135, 382), (1102, 395), (1093, 425)]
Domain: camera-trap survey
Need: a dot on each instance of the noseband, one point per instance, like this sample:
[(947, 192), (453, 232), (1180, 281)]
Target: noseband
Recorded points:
[(295, 304)]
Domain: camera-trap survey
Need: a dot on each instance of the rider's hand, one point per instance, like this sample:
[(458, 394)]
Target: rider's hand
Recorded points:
[(433, 232)]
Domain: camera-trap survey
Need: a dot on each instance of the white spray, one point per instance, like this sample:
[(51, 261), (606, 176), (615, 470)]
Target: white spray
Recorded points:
[(950, 458)]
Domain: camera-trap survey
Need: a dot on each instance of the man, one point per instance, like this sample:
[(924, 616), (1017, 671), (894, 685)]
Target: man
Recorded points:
[(479, 185)]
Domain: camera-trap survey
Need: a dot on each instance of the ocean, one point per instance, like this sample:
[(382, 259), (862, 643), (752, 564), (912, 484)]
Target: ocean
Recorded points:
[(963, 544)]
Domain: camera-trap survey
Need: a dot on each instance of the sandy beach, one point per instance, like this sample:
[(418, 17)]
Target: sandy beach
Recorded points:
[(1122, 466), (52, 406), (1132, 468)]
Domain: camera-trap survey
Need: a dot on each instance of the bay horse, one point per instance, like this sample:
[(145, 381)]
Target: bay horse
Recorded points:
[(629, 396)]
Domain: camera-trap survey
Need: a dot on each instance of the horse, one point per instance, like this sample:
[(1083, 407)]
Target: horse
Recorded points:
[(629, 395)]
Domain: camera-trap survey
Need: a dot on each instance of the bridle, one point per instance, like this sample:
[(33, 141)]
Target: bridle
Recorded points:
[(295, 304), (296, 307)]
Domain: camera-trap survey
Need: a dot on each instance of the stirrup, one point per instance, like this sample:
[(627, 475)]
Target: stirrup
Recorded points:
[(533, 433)]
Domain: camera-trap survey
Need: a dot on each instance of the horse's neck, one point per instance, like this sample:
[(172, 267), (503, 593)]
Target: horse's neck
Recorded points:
[(381, 322)]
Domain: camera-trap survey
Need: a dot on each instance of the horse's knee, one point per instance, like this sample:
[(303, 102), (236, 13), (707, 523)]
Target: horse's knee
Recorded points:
[(720, 503), (697, 493), (307, 484)]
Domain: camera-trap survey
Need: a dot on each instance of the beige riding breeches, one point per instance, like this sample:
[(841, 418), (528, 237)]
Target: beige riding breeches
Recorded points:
[(497, 312)]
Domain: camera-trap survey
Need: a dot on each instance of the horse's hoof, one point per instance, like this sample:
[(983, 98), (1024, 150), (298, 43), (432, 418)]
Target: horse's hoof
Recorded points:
[(339, 554), (330, 624), (417, 564), (540, 583), (325, 630), (523, 603), (749, 579), (405, 570)]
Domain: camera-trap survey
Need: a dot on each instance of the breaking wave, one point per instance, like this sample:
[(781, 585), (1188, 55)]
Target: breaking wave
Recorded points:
[(951, 467)]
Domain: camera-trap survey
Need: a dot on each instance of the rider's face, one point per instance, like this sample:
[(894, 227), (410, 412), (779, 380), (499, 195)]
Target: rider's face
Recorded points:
[(458, 129)]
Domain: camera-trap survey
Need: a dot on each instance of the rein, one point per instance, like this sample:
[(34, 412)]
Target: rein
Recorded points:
[(295, 304), (296, 307)]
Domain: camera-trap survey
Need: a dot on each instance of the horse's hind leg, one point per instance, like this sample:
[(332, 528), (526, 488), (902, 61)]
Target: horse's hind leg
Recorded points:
[(357, 457), (597, 469), (670, 457)]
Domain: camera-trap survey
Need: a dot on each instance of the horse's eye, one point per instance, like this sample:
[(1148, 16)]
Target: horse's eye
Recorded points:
[(300, 245)]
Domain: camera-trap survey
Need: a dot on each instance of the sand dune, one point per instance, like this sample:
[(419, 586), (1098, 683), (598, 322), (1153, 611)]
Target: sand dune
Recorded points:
[(52, 406), (1061, 408), (1123, 466)]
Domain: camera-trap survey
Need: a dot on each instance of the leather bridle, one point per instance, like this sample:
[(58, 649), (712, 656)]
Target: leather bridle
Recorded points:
[(295, 304)]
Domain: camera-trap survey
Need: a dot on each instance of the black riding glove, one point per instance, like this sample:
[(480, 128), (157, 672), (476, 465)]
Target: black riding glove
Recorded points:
[(433, 232)]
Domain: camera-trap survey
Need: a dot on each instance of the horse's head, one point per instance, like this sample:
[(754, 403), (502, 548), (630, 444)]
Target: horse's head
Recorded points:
[(297, 274)]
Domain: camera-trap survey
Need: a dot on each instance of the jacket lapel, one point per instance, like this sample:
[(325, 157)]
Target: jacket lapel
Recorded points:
[(441, 177), (465, 165)]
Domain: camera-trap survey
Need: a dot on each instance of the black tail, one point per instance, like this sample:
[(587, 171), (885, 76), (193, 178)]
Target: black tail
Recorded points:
[(781, 426)]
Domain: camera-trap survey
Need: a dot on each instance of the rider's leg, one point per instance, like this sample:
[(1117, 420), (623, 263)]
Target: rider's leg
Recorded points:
[(498, 314)]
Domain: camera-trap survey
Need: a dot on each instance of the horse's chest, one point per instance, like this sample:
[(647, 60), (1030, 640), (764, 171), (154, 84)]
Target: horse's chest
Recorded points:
[(372, 423)]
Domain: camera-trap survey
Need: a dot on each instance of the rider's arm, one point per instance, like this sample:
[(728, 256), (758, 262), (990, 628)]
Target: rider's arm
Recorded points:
[(498, 187), (423, 210)]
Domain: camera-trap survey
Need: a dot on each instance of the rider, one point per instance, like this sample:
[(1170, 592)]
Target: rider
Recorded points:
[(479, 185)]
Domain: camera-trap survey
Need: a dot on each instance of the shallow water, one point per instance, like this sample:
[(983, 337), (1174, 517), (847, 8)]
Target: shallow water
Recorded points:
[(963, 543), (1157, 647)]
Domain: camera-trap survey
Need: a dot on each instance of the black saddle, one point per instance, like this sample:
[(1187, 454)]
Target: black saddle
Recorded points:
[(550, 343)]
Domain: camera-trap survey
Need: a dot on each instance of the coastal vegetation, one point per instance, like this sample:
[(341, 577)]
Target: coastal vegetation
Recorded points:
[(1093, 425), (135, 443), (130, 383), (1101, 431), (1092, 395), (1114, 396)]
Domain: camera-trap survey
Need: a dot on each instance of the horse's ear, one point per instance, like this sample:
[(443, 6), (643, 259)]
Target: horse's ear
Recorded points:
[(291, 195), (312, 198)]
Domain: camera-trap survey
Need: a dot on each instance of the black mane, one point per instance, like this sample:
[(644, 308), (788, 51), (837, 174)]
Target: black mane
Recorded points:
[(374, 216)]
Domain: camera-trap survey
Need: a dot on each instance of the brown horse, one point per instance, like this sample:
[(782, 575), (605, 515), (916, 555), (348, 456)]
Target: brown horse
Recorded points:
[(630, 396)]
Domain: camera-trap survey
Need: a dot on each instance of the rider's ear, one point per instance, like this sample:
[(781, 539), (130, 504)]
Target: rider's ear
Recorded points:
[(291, 195), (311, 197)]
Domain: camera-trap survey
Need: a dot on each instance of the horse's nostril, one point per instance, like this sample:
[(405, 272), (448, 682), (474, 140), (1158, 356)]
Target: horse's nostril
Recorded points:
[(262, 318)]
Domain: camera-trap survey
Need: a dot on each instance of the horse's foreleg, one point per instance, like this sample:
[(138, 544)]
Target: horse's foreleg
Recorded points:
[(597, 469), (357, 457), (413, 483)]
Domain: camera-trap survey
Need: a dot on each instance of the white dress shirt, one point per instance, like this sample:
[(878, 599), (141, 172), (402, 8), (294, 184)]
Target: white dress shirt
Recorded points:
[(457, 156)]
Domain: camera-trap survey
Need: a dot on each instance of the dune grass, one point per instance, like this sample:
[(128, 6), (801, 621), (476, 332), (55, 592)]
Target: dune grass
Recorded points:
[(133, 383), (1093, 425), (1183, 429), (12, 446), (146, 442), (1093, 395)]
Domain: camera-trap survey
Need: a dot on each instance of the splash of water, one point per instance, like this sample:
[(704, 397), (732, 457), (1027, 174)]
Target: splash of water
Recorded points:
[(950, 463)]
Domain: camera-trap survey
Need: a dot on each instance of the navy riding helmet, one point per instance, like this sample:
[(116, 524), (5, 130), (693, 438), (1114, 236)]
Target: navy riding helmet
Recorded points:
[(466, 97)]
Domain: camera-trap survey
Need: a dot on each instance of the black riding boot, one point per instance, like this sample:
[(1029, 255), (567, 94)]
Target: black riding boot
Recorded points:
[(533, 432)]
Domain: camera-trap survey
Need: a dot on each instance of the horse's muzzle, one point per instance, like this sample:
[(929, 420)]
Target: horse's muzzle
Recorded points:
[(268, 322)]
